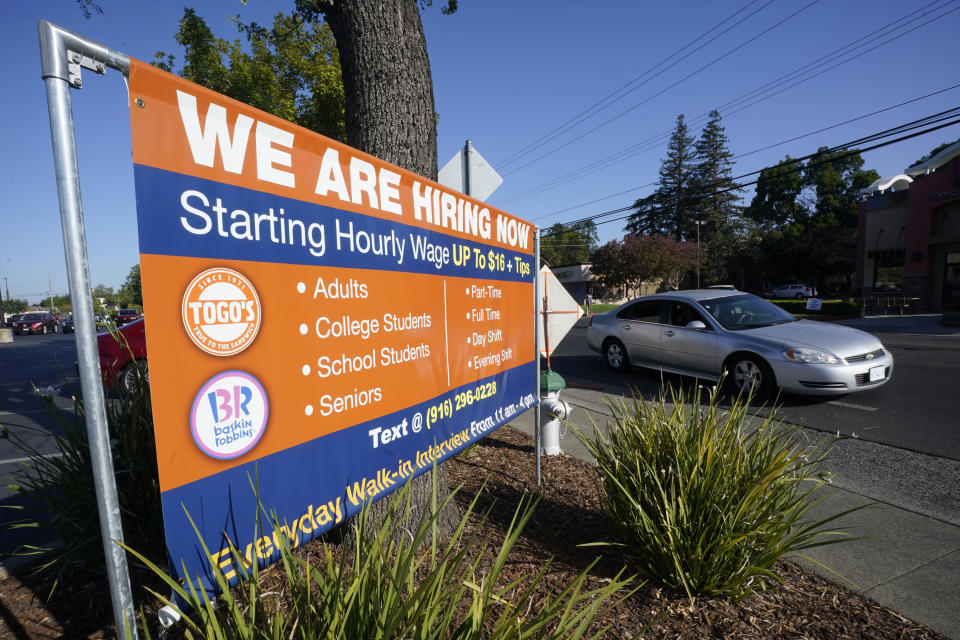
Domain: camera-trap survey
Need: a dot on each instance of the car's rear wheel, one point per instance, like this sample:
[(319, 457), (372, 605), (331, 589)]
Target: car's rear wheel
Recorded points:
[(615, 355), (134, 376), (748, 374), (799, 296)]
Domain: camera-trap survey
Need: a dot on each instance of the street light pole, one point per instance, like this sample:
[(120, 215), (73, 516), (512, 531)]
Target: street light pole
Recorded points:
[(698, 223)]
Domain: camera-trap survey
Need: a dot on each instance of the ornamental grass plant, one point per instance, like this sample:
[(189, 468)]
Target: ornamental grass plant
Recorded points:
[(708, 497), (399, 581)]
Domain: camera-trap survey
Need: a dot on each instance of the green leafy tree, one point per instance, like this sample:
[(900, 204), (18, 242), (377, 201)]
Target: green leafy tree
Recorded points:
[(573, 244), (61, 303), (625, 265), (610, 266), (776, 201), (15, 305), (291, 69), (671, 208), (808, 217), (131, 293), (104, 293)]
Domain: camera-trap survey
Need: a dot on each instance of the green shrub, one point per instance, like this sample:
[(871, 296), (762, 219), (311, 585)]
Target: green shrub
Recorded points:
[(707, 501), (829, 308), (63, 483), (386, 585)]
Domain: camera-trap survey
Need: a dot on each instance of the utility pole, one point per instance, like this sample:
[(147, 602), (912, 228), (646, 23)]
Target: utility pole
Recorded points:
[(698, 223)]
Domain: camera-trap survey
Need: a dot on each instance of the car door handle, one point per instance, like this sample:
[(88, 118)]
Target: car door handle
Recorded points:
[(626, 327), (668, 333)]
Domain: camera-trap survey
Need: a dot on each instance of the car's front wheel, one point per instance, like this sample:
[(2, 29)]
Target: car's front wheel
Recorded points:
[(615, 355), (750, 375), (799, 296)]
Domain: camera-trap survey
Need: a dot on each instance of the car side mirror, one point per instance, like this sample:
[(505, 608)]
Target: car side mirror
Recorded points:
[(696, 324)]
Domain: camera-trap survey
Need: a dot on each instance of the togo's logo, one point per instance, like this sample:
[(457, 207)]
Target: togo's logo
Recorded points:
[(229, 415), (221, 311)]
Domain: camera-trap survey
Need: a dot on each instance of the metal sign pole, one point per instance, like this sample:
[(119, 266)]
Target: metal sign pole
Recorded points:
[(63, 55), (536, 339)]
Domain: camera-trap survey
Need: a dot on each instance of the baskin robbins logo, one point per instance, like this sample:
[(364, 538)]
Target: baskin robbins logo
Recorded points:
[(221, 311), (229, 415)]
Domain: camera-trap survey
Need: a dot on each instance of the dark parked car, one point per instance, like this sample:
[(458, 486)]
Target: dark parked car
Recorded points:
[(123, 316), (35, 322), (123, 356), (13, 318), (67, 325)]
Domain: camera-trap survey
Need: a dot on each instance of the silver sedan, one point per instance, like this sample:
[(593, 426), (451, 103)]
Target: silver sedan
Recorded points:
[(760, 347)]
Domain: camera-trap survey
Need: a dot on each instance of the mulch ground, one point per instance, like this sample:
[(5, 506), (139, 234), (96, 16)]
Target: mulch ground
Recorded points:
[(501, 467)]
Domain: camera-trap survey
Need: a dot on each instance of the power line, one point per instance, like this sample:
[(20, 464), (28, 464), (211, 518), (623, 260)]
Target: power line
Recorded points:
[(655, 141), (776, 144), (667, 88), (765, 148), (609, 99), (797, 167)]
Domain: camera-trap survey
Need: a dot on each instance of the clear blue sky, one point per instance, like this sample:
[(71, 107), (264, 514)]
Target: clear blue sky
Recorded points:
[(505, 75)]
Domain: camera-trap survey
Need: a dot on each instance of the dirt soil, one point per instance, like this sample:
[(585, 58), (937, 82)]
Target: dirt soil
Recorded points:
[(804, 605)]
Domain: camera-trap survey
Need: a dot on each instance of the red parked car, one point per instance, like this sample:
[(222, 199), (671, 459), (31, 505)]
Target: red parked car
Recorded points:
[(35, 322), (123, 357), (123, 316)]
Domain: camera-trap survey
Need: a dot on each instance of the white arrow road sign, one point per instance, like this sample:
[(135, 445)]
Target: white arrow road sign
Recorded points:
[(559, 308)]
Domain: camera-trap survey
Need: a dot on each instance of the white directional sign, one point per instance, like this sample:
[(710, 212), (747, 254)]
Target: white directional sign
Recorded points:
[(561, 310)]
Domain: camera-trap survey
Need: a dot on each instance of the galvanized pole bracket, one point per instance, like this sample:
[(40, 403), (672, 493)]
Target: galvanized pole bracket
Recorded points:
[(77, 61)]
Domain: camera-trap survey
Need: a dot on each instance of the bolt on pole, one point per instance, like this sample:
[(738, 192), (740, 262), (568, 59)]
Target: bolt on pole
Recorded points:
[(63, 54)]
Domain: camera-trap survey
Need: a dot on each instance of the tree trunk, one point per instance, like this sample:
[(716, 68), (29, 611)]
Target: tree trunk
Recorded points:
[(387, 85), (388, 91)]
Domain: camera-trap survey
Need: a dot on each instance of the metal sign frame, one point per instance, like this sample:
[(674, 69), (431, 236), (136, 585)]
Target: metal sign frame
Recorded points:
[(63, 56)]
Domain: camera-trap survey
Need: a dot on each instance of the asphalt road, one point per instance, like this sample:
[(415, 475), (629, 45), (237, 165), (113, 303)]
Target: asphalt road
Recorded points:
[(37, 382)]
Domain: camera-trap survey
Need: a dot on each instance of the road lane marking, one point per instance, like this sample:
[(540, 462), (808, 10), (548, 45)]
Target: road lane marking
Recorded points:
[(18, 460), (850, 405)]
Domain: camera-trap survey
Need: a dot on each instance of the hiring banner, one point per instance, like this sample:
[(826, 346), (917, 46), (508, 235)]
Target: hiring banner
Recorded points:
[(321, 325)]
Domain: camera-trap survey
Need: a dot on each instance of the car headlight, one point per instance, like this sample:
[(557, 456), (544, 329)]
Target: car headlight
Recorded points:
[(810, 356)]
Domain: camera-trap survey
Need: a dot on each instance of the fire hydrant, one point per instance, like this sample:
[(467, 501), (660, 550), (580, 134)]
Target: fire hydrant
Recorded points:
[(552, 411)]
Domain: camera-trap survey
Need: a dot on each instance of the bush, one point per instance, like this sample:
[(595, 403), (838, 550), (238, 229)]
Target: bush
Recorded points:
[(829, 308), (706, 502), (63, 483), (386, 585)]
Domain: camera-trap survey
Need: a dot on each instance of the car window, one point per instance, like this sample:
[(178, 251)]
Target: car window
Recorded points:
[(682, 314), (643, 311), (736, 313)]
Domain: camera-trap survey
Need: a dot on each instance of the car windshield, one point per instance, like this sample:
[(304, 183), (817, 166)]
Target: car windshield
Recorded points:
[(736, 313), (32, 316)]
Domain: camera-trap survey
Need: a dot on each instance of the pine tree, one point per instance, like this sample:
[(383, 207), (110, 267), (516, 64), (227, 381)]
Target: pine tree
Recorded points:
[(670, 209), (716, 199)]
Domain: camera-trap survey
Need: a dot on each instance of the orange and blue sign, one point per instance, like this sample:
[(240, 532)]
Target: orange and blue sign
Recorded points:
[(320, 324)]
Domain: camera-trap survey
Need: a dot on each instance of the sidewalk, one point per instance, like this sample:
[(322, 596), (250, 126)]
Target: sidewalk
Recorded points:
[(910, 561)]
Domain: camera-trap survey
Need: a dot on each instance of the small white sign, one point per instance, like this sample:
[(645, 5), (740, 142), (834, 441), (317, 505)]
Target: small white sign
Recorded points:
[(877, 373), (814, 304), (562, 311)]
